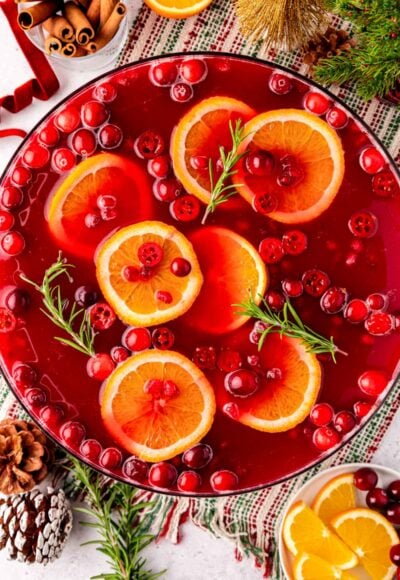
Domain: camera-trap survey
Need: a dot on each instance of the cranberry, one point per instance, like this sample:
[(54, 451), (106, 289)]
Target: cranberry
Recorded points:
[(13, 243), (275, 300), (189, 481), (264, 203), (72, 433), (363, 224), (205, 357), (294, 242), (290, 172), (83, 142), (193, 70), (356, 311), (102, 316), (106, 201), (11, 198), (92, 219), (150, 254), (377, 301), (6, 220), (135, 469), (36, 397), (86, 296), (315, 282), (242, 383), (52, 415), (63, 159), (167, 189), (224, 480), (24, 375), (185, 208), (170, 390), (180, 267), (373, 382), (344, 422), (199, 162), (163, 74), (17, 300), (136, 339), (321, 414), (292, 288), (90, 449), (372, 160), (164, 296), (271, 250), (110, 458), (325, 438), (229, 360), (393, 490), (392, 513), (159, 166), (36, 156), (110, 136), (21, 176), (334, 300), (316, 103), (68, 120), (154, 387), (162, 475), (377, 498), (280, 84), (105, 92), (337, 118), (149, 145), (94, 114), (181, 92), (100, 366), (362, 409), (365, 479), (379, 323), (395, 555), (384, 184), (231, 410), (198, 456), (259, 163), (162, 338), (48, 136), (119, 354)]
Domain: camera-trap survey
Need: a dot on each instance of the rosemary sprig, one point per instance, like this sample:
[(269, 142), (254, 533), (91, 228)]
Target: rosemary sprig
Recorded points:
[(115, 516), (221, 191), (288, 323), (55, 308)]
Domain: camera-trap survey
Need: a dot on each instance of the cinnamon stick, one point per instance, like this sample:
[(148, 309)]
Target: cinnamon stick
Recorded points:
[(52, 44), (30, 17), (59, 27), (93, 13), (106, 8), (109, 29), (83, 29)]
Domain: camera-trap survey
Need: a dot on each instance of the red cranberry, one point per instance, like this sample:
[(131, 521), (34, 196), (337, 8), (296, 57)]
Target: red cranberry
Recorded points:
[(167, 189), (362, 409), (162, 475), (135, 469), (372, 160), (154, 387), (392, 513), (292, 288), (110, 458), (119, 354), (164, 296), (86, 296), (377, 498), (83, 142), (242, 383), (379, 323), (373, 382), (105, 92), (63, 159), (52, 415), (385, 185), (149, 145), (6, 220), (181, 92), (72, 433), (363, 224), (365, 479), (198, 456), (271, 250), (163, 74), (264, 203), (92, 219), (13, 243), (185, 208), (17, 300), (280, 84), (316, 103), (205, 357), (48, 136), (150, 254), (193, 70), (24, 375), (377, 302), (90, 449), (315, 282), (334, 300), (275, 300), (180, 267), (36, 156), (170, 390), (21, 176), (110, 136), (356, 311), (159, 166), (162, 338), (259, 163), (231, 410), (102, 316), (100, 366), (393, 490), (325, 438), (199, 162), (337, 118), (35, 397), (321, 414), (344, 422), (224, 480), (189, 481), (11, 197), (294, 242), (136, 339), (229, 360), (94, 114), (68, 120), (290, 172), (395, 555)]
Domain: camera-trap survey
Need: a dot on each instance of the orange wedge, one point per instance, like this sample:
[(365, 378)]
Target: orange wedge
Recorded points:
[(310, 567), (308, 142), (152, 421), (370, 536), (137, 293), (200, 133), (177, 8), (304, 532), (336, 496), (79, 195), (232, 268)]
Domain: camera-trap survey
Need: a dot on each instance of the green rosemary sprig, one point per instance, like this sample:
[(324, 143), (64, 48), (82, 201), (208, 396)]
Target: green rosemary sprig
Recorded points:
[(55, 308), (287, 323), (221, 191), (115, 516)]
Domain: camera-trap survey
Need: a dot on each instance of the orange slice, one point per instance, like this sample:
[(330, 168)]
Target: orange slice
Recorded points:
[(154, 425), (201, 132), (310, 567), (316, 150), (232, 268), (304, 532), (136, 299), (370, 536), (78, 195), (177, 8), (336, 496)]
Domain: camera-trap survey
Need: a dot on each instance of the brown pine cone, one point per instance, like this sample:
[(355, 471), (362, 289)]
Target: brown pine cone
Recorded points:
[(25, 455), (331, 43)]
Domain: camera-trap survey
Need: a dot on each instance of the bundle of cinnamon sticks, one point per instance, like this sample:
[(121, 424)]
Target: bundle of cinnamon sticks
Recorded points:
[(76, 27)]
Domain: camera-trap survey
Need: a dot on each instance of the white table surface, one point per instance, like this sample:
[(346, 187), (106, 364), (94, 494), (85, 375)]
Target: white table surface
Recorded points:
[(199, 556)]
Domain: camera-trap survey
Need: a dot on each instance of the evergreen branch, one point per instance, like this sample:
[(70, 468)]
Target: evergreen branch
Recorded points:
[(55, 308)]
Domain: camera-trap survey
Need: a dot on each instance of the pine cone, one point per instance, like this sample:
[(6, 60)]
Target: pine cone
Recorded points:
[(333, 42), (35, 526), (25, 455)]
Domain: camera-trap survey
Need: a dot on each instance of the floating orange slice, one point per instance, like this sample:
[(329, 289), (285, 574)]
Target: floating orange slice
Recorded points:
[(308, 142), (75, 218), (177, 8), (200, 134), (157, 404), (336, 496), (310, 567), (232, 268), (145, 296)]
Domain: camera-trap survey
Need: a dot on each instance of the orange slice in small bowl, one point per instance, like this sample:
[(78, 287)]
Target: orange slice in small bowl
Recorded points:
[(336, 496)]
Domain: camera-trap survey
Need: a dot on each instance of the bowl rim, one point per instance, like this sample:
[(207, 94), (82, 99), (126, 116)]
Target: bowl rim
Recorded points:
[(371, 134)]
